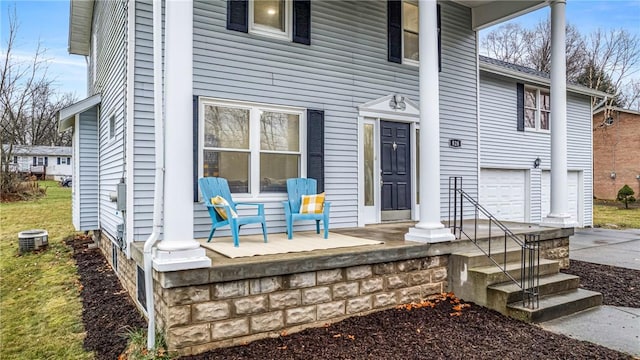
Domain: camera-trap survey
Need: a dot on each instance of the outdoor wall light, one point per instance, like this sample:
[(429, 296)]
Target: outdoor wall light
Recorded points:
[(397, 102), (613, 175), (638, 176), (536, 163)]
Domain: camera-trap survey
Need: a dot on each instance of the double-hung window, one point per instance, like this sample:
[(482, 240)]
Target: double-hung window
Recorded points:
[(255, 147), (410, 32), (270, 18), (537, 109)]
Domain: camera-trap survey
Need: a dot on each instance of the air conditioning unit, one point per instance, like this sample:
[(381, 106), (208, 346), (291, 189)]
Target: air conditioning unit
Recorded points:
[(32, 240)]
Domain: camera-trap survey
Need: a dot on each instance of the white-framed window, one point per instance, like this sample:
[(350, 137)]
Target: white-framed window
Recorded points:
[(64, 161), (255, 147), (15, 160), (271, 18), (537, 109), (410, 34)]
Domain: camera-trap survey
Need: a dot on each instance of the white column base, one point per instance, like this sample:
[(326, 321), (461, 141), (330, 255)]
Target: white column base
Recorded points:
[(558, 221), (184, 259), (435, 235)]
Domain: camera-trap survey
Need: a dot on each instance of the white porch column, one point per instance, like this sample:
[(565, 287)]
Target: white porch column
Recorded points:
[(429, 228), (559, 215), (178, 250)]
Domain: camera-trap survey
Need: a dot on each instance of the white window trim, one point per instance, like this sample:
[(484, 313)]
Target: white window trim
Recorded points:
[(270, 32), (538, 110), (254, 143), (405, 60)]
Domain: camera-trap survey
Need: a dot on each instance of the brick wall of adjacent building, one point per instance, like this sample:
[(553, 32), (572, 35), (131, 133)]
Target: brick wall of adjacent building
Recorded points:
[(616, 148)]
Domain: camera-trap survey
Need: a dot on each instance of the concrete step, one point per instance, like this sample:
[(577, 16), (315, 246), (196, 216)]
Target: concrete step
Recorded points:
[(556, 305), (499, 295), (478, 258), (491, 274)]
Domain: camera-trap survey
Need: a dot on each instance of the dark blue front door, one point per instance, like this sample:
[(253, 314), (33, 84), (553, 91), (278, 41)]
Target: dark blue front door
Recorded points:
[(396, 170)]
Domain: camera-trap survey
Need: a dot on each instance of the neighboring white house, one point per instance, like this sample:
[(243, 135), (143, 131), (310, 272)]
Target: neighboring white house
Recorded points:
[(380, 101), (53, 162)]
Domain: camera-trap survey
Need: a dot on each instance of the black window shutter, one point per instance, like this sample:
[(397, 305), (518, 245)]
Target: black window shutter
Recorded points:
[(238, 15), (520, 105), (59, 160), (195, 149), (35, 162), (302, 21), (315, 147), (439, 41), (394, 30), (46, 161)]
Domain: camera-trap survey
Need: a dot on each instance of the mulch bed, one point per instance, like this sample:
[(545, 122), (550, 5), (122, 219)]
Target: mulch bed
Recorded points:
[(435, 330)]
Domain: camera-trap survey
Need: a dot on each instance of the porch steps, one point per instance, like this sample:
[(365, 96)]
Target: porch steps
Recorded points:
[(474, 277)]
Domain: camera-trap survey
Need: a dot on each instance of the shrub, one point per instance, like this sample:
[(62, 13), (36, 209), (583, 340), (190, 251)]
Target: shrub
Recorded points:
[(625, 195)]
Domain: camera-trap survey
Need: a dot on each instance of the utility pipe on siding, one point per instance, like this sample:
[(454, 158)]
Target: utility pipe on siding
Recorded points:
[(158, 189)]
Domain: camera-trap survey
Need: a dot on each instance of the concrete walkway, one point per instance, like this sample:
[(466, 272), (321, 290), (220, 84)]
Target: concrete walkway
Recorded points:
[(614, 327)]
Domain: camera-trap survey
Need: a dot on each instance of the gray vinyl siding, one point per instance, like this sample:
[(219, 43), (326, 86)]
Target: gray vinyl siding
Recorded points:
[(88, 177), (110, 24), (143, 123), (503, 147), (345, 66)]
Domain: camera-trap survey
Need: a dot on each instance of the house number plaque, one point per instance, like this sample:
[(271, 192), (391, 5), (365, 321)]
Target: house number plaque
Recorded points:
[(455, 143)]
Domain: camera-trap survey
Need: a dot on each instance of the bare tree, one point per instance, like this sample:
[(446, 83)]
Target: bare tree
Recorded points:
[(507, 43), (28, 101)]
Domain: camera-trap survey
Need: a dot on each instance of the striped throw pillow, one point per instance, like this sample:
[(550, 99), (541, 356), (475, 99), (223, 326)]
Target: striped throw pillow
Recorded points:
[(312, 204), (219, 200)]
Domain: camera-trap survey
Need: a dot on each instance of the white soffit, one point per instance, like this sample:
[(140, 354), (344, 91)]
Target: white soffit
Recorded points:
[(81, 14), (486, 13), (67, 115)]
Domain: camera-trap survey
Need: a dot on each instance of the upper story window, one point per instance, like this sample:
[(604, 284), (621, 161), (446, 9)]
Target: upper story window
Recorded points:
[(112, 126), (270, 18), (255, 147), (537, 109), (410, 33), (15, 160)]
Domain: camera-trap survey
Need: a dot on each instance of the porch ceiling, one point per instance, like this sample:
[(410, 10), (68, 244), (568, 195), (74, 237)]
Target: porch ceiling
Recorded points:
[(485, 13), (81, 14)]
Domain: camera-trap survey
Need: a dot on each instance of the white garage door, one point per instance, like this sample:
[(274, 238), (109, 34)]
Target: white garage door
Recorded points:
[(573, 189), (504, 193)]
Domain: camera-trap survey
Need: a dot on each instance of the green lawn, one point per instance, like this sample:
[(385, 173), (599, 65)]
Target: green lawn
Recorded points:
[(40, 307), (613, 216)]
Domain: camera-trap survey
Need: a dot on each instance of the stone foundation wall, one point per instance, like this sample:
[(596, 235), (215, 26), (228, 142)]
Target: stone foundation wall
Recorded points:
[(556, 249), (204, 317)]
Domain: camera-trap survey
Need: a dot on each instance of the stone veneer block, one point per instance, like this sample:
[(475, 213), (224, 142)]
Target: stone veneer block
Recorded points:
[(384, 299), (359, 272), (396, 281), (230, 328), (434, 261), (211, 311), (439, 274), (345, 290), (267, 322), (359, 304), (284, 299), (231, 289), (329, 276), (188, 335), (409, 295), (251, 305), (178, 315), (431, 289), (316, 295), (369, 286), (265, 285), (383, 269), (301, 280), (409, 265), (186, 295), (419, 277), (330, 310), (300, 315)]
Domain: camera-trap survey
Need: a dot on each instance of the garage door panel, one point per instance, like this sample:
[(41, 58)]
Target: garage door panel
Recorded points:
[(503, 193), (573, 194)]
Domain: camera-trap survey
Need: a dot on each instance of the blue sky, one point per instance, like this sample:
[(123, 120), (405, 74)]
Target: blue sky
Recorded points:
[(48, 22)]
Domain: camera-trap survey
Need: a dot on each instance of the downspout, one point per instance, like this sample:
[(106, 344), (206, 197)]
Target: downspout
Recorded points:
[(158, 190)]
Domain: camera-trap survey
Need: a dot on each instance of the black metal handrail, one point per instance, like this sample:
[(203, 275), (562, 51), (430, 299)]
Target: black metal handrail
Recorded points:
[(529, 281)]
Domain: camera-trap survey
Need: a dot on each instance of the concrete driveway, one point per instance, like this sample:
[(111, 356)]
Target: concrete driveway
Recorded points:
[(619, 248)]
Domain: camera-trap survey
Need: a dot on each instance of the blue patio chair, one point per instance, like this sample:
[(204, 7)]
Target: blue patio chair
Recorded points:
[(295, 189), (210, 187)]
